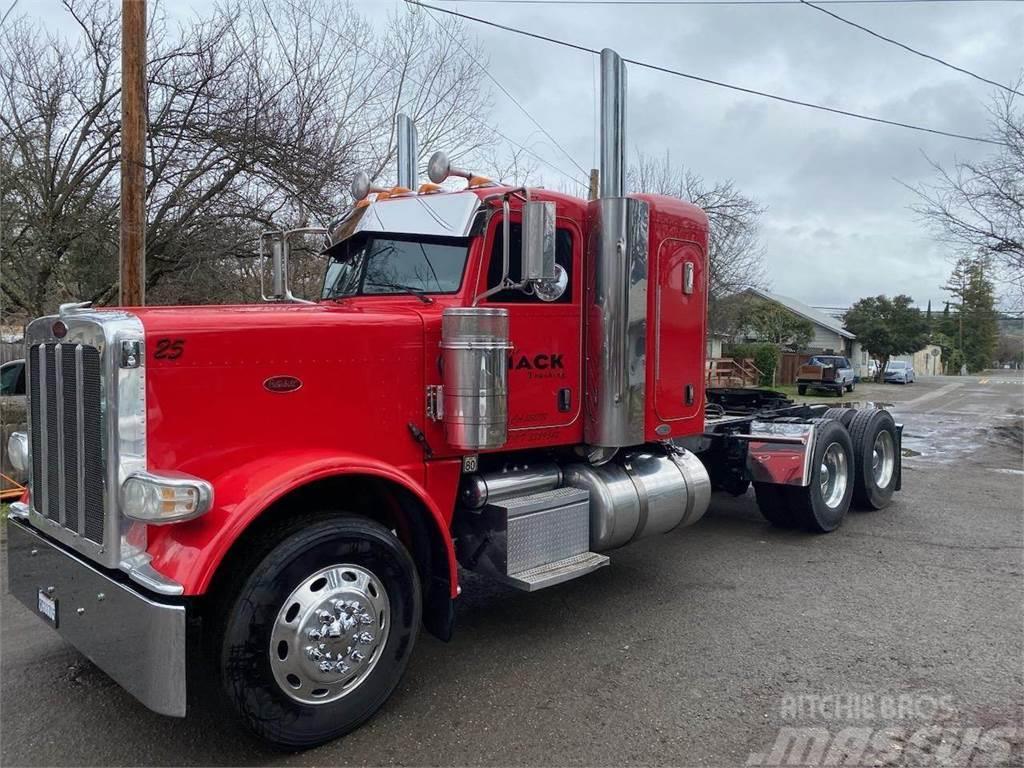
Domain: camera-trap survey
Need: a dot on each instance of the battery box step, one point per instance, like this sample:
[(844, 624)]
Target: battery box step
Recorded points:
[(549, 574)]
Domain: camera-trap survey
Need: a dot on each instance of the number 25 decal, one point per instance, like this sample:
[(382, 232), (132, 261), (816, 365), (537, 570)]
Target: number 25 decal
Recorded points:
[(169, 349)]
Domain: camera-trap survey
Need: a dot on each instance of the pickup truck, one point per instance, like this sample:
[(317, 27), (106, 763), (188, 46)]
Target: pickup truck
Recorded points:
[(831, 372)]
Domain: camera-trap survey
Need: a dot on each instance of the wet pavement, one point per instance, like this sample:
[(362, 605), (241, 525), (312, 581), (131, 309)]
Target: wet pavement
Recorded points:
[(687, 650)]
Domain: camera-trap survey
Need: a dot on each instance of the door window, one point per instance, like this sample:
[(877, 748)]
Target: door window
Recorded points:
[(563, 257)]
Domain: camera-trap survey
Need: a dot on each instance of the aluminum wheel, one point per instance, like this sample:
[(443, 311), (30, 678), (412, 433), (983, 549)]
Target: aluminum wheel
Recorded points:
[(883, 458), (833, 475), (329, 634)]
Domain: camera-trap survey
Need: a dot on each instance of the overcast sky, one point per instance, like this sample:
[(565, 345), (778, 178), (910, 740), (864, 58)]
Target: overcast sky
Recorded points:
[(838, 224)]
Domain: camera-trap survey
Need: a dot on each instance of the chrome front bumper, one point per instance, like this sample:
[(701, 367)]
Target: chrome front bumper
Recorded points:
[(136, 640)]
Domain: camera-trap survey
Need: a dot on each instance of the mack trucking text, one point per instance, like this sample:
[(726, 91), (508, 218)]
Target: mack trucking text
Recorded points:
[(509, 380)]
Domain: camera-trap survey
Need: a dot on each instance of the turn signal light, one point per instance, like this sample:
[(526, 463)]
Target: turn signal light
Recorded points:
[(159, 498)]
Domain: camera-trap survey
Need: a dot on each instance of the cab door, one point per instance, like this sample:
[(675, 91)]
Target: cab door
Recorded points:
[(680, 305), (545, 368)]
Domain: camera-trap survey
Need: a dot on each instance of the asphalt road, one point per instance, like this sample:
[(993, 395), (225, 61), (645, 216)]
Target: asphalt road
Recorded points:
[(684, 651)]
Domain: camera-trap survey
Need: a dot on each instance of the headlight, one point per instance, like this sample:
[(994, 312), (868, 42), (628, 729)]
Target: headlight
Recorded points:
[(159, 498), (17, 449)]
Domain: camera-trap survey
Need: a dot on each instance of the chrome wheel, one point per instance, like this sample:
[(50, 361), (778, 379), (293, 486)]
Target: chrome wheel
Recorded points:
[(833, 475), (329, 633), (883, 458)]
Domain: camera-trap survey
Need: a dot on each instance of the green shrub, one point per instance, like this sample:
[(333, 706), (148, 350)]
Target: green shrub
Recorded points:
[(765, 357)]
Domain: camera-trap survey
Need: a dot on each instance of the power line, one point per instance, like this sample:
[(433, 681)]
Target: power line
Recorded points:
[(718, 2), (456, 107), (708, 81), (504, 90), (905, 47)]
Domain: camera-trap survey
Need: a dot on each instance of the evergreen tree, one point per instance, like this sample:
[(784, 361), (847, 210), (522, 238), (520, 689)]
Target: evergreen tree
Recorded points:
[(974, 330), (981, 330)]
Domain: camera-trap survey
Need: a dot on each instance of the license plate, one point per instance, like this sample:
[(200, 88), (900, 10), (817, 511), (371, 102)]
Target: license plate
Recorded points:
[(47, 607)]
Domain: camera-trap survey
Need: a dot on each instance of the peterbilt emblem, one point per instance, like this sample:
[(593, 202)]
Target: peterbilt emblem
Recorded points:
[(282, 384)]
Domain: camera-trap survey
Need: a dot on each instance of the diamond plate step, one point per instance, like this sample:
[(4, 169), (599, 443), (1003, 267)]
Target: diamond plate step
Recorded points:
[(549, 574)]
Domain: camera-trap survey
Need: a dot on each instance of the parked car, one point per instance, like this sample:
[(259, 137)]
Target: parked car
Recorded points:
[(899, 372), (831, 372), (12, 378), (872, 369)]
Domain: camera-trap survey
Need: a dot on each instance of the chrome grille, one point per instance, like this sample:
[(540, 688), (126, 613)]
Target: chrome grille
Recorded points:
[(66, 436)]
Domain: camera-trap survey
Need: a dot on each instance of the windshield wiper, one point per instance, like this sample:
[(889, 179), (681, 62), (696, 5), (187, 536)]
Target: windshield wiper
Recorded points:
[(419, 293)]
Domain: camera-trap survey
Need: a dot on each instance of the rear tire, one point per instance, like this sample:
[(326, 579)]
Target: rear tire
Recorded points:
[(348, 581), (821, 506), (843, 415), (875, 461), (801, 389), (774, 504)]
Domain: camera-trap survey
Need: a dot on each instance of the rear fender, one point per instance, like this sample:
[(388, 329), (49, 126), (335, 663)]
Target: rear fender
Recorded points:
[(190, 553)]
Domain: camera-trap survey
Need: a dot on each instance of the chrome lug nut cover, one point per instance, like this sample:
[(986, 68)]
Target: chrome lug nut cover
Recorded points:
[(313, 645)]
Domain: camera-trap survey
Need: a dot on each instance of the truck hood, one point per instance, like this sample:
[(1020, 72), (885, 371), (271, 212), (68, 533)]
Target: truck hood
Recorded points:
[(353, 378)]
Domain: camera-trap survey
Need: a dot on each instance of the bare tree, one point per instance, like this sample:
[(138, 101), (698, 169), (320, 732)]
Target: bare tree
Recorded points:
[(978, 206), (260, 113), (735, 254)]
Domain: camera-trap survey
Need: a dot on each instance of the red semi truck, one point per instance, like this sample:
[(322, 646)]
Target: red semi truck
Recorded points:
[(506, 379)]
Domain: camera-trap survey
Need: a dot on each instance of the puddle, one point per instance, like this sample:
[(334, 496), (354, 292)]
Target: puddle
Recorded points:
[(863, 405)]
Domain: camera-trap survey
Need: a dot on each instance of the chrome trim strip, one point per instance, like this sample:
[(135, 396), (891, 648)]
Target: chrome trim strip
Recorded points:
[(80, 420), (58, 365), (44, 438)]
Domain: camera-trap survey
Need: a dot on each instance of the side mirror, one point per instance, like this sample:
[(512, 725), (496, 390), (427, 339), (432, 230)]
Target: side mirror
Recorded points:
[(538, 242)]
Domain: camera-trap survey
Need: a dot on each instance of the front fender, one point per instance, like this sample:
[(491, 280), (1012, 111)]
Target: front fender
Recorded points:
[(190, 553)]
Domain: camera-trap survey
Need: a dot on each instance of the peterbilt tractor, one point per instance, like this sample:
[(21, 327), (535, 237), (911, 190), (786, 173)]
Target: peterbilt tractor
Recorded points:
[(510, 380)]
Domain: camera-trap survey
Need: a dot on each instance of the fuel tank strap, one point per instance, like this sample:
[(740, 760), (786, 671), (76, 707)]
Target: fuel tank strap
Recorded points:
[(641, 493)]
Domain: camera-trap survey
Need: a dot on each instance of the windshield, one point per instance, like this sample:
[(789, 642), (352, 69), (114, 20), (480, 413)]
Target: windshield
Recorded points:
[(10, 379), (393, 264), (896, 365)]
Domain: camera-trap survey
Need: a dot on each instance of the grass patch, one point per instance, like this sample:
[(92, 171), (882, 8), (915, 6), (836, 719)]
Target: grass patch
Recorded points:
[(813, 395)]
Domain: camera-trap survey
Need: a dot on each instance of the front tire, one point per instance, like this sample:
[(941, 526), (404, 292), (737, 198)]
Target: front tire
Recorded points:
[(801, 389), (318, 635)]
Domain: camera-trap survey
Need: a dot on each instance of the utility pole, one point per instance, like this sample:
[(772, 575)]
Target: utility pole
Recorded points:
[(594, 186), (133, 153)]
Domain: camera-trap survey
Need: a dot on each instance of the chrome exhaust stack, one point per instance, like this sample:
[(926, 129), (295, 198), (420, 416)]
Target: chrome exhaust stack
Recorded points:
[(617, 295), (613, 124), (408, 151)]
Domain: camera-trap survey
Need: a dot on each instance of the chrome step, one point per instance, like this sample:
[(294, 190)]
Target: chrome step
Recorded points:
[(549, 574)]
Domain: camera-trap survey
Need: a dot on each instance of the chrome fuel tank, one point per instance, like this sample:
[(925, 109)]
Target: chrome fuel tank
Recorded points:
[(641, 493)]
